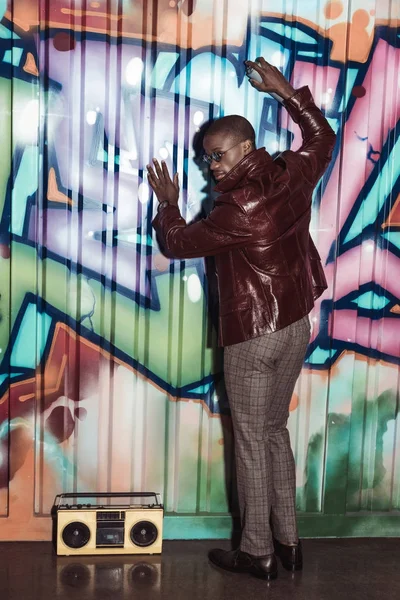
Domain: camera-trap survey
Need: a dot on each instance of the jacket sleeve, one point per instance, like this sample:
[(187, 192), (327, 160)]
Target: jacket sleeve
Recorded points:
[(319, 138), (226, 227)]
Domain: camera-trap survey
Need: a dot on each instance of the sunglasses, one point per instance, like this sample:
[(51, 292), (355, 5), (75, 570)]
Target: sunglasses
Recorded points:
[(217, 156)]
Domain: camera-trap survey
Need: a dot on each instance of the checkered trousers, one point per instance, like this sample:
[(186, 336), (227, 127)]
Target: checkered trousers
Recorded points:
[(260, 376)]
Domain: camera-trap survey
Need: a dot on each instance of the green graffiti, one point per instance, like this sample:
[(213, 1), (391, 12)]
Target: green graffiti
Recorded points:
[(355, 471), (163, 341)]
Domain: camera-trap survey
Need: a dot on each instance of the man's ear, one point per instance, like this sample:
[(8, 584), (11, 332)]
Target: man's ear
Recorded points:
[(248, 146)]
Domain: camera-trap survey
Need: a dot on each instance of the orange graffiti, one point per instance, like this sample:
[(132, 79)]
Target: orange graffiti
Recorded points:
[(174, 22), (393, 219), (161, 263), (333, 10), (26, 397), (351, 41), (30, 65), (21, 514), (174, 25), (294, 403), (53, 193), (77, 14), (72, 370)]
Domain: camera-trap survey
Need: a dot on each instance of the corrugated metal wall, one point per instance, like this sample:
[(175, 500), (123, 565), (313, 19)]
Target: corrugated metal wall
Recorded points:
[(110, 375)]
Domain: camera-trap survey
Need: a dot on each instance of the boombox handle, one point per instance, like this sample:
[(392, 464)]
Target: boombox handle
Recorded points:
[(108, 495)]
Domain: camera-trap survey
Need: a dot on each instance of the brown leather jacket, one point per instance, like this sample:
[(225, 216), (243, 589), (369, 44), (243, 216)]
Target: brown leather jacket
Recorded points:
[(269, 271)]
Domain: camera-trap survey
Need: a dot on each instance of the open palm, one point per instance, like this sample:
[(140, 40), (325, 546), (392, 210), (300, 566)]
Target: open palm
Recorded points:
[(165, 188)]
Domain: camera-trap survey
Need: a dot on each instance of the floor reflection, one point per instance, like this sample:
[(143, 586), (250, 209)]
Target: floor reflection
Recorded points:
[(333, 569), (94, 576)]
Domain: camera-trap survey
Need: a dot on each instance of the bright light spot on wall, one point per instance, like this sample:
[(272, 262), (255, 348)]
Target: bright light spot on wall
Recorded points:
[(90, 234), (326, 99), (28, 125), (134, 70), (91, 117), (143, 193), (330, 91), (163, 152), (169, 147), (194, 288), (111, 158), (273, 146), (198, 117), (278, 59), (132, 155), (185, 278), (370, 247)]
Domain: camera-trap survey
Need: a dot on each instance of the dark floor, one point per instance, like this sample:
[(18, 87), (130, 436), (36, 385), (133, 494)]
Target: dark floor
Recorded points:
[(360, 569)]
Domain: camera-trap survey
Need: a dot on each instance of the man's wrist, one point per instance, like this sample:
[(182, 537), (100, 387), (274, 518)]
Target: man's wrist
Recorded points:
[(287, 93), (163, 205)]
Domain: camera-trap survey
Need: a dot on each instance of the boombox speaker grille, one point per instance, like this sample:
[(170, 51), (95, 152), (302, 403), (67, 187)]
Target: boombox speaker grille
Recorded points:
[(143, 574), (143, 533), (76, 535)]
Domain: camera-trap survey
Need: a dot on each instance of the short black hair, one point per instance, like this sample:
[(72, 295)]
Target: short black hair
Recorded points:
[(234, 126)]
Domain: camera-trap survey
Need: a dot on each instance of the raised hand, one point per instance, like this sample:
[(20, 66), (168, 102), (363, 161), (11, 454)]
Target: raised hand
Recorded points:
[(165, 188), (272, 79)]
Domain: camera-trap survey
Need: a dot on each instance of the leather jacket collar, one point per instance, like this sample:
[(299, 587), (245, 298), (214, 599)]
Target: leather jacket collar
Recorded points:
[(250, 167)]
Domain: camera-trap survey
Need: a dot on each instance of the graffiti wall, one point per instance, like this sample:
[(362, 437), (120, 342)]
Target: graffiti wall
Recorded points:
[(110, 376)]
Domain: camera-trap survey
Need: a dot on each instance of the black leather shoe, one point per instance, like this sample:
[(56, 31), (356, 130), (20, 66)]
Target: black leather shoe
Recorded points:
[(291, 556), (236, 561)]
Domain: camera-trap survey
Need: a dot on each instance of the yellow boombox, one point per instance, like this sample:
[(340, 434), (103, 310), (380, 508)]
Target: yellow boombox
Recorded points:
[(86, 528)]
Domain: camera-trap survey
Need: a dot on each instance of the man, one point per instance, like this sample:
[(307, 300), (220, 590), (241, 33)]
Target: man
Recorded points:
[(269, 275)]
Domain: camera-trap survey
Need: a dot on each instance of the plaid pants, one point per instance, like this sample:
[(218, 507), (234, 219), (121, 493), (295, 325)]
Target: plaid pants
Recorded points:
[(260, 376)]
